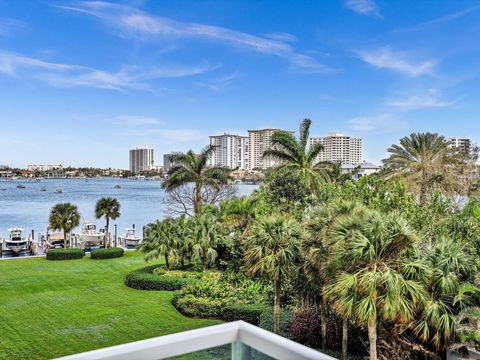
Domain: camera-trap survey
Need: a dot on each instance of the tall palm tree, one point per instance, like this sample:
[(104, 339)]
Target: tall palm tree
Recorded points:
[(64, 216), (272, 250), (205, 234), (297, 157), (423, 159), (193, 168), (161, 239), (110, 209), (371, 284), (318, 265)]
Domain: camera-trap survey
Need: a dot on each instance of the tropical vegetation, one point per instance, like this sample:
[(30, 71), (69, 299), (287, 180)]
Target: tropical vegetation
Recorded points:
[(109, 208), (64, 217)]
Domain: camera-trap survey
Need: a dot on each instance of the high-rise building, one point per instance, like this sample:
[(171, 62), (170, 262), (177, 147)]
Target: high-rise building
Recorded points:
[(167, 161), (141, 159), (339, 147), (258, 142), (231, 151), (464, 144)]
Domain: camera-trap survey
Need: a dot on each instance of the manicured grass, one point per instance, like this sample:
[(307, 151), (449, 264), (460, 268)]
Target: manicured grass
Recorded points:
[(56, 308)]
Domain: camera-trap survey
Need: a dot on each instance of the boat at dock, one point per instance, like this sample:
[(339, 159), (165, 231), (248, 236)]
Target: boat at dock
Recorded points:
[(129, 240), (89, 237), (15, 242)]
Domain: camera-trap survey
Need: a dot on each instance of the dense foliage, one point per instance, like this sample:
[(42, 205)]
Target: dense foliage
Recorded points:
[(385, 265), (108, 253), (65, 254), (144, 279)]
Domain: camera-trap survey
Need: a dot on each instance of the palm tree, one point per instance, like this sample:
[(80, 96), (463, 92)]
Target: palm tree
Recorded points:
[(64, 216), (161, 239), (423, 159), (272, 250), (110, 209), (447, 265), (296, 157), (317, 264), (205, 234), (193, 168), (370, 245)]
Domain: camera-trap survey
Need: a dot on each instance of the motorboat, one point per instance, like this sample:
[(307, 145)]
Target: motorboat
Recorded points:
[(21, 186), (3, 188), (117, 187), (129, 240), (43, 188), (15, 242), (56, 241), (58, 191), (90, 237)]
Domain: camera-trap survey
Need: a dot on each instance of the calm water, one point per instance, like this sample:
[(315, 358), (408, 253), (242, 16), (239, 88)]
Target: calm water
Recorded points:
[(141, 201)]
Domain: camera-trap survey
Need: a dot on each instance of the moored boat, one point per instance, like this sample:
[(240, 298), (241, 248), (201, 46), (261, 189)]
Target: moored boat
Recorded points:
[(15, 242), (90, 237), (129, 240)]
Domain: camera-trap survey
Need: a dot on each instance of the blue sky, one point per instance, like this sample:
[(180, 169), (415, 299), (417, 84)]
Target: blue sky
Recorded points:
[(81, 82)]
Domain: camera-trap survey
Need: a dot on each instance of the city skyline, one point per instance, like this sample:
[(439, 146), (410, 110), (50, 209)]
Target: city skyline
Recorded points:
[(80, 82)]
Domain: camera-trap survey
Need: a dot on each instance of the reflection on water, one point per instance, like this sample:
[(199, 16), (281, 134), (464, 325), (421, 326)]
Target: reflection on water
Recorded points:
[(141, 201)]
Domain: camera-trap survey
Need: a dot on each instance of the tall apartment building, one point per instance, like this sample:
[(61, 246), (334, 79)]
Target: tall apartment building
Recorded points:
[(167, 161), (141, 159), (339, 147), (231, 151), (464, 144), (258, 142)]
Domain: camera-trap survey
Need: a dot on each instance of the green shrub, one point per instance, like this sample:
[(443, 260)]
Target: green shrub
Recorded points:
[(247, 312), (191, 306), (266, 320), (65, 254), (108, 253), (144, 279)]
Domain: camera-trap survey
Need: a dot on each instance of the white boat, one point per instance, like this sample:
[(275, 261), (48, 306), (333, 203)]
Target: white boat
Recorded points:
[(15, 242), (58, 191), (43, 188), (90, 237), (129, 240)]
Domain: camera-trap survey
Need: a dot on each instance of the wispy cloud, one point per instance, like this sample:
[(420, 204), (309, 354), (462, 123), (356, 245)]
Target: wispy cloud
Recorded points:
[(220, 83), (70, 76), (132, 22), (134, 120), (363, 7), (386, 58), (432, 98), (441, 20), (8, 26), (379, 123)]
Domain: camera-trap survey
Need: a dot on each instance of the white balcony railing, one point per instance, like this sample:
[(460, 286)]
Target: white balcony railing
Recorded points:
[(243, 338)]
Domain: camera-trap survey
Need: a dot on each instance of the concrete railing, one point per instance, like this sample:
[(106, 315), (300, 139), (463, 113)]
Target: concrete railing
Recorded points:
[(241, 335)]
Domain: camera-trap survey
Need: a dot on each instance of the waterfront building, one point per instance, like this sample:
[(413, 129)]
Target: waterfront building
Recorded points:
[(44, 167), (258, 142), (464, 144), (339, 147), (231, 151), (141, 159), (360, 170), (167, 161)]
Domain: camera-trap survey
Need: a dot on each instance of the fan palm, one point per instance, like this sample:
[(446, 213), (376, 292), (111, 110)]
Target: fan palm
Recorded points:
[(65, 217), (193, 168), (272, 250), (423, 159), (370, 246), (317, 264), (205, 234), (296, 157), (110, 209), (161, 239)]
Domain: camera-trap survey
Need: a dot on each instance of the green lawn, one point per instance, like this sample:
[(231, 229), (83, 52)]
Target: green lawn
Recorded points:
[(55, 308)]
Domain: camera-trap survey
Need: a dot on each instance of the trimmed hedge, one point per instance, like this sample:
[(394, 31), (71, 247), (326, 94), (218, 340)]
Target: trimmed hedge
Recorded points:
[(247, 312), (65, 254), (108, 253), (144, 279), (266, 320)]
